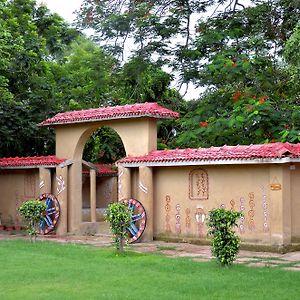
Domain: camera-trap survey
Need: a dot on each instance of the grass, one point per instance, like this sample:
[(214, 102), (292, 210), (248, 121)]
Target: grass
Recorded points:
[(47, 270)]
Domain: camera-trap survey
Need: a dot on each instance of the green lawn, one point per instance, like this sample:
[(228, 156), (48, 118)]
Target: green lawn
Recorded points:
[(56, 271)]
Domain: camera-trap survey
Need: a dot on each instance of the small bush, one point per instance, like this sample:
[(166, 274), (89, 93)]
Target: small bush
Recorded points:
[(225, 242), (119, 217), (33, 212)]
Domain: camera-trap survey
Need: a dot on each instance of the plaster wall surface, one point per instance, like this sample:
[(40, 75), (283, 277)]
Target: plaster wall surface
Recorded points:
[(16, 186), (107, 192), (242, 188), (295, 195)]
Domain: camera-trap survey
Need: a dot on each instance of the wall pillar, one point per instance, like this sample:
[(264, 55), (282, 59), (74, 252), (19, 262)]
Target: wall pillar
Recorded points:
[(124, 183), (45, 180), (93, 195), (61, 192), (75, 197), (145, 196), (280, 199)]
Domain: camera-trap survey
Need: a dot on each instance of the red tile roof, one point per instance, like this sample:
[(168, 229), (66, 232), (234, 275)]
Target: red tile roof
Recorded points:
[(35, 161), (103, 169), (152, 110), (240, 152)]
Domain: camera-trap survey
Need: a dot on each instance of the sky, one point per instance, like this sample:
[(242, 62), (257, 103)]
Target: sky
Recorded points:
[(66, 9)]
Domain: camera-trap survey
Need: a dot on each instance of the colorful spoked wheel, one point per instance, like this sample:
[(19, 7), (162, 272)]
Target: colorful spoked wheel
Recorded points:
[(51, 216), (138, 220)]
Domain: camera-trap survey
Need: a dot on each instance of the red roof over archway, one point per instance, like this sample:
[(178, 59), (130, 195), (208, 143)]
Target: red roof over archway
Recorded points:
[(152, 110)]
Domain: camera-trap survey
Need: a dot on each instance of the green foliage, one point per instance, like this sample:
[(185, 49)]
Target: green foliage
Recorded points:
[(32, 211), (225, 242), (119, 217)]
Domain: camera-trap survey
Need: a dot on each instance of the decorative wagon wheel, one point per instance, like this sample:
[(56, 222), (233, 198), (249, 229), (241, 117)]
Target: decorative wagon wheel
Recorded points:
[(138, 220), (51, 216)]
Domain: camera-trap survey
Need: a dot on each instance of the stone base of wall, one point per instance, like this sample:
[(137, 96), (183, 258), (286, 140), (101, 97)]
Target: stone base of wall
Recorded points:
[(244, 245)]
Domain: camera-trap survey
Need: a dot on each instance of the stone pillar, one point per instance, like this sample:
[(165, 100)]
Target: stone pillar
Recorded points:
[(61, 193), (145, 196), (280, 200), (45, 180), (124, 183), (93, 192)]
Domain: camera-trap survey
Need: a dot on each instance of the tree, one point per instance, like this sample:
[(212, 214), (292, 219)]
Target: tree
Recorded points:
[(235, 53), (119, 217), (32, 39), (33, 211), (225, 242)]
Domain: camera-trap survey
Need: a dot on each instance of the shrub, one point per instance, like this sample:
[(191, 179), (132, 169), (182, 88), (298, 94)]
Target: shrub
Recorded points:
[(32, 211), (225, 242), (119, 217)]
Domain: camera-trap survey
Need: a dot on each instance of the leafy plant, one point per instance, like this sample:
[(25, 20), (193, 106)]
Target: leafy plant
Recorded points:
[(119, 217), (225, 242), (32, 211)]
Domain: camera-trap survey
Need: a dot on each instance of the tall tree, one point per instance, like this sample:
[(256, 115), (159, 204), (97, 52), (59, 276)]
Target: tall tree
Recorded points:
[(32, 38)]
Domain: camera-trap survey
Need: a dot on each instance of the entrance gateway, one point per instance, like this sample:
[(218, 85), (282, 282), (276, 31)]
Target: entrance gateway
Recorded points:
[(137, 127), (177, 188)]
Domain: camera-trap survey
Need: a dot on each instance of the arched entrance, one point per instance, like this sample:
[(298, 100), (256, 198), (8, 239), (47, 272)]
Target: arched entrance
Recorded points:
[(136, 126)]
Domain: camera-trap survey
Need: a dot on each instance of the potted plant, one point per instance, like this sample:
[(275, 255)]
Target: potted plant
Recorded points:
[(10, 224), (2, 227)]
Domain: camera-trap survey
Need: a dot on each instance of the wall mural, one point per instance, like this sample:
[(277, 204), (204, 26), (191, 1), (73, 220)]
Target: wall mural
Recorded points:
[(168, 209), (18, 204), (60, 184), (251, 224), (232, 204), (29, 186), (42, 184), (187, 220), (242, 219), (265, 209), (143, 188), (121, 173), (177, 218), (198, 185), (200, 217)]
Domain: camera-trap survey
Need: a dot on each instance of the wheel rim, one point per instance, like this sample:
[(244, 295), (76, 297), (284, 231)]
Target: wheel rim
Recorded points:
[(138, 220), (51, 215)]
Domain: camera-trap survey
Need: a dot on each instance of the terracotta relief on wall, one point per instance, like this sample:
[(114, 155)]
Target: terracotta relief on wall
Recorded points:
[(42, 184), (177, 218), (232, 205), (120, 175), (251, 224), (200, 217), (29, 186), (143, 188), (167, 210), (265, 209), (242, 219), (18, 204), (198, 185), (60, 184), (187, 220)]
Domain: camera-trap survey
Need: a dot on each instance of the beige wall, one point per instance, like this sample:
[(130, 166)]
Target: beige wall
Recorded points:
[(16, 186), (107, 192), (295, 194), (235, 187)]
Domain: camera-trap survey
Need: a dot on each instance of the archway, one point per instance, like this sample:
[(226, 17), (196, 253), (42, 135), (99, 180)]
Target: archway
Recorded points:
[(136, 126), (102, 150)]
